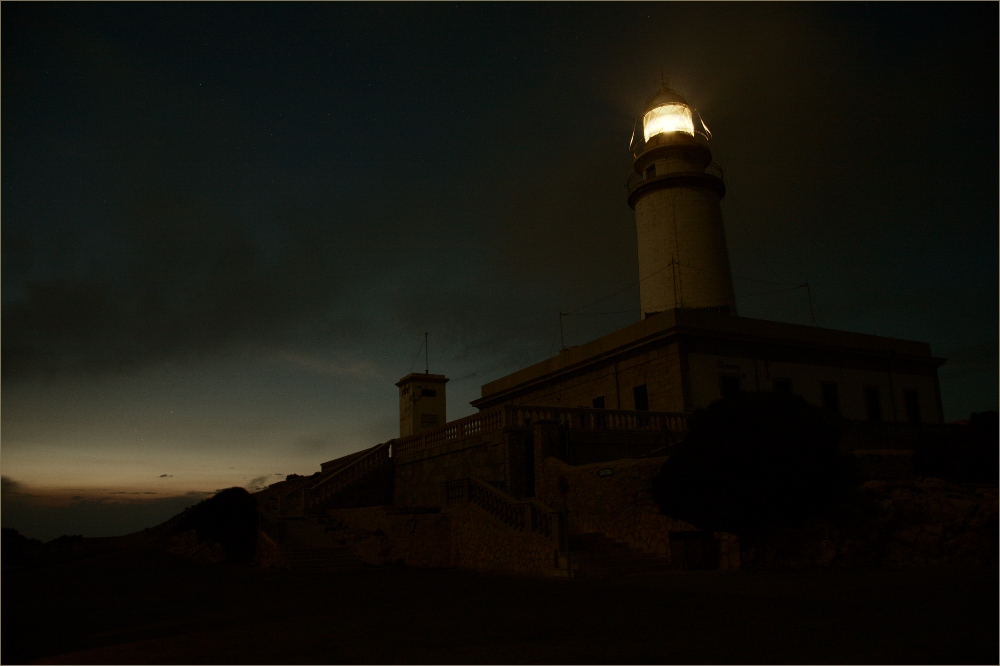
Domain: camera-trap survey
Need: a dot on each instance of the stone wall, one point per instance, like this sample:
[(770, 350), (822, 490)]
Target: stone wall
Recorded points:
[(378, 537), (479, 542), (884, 464), (460, 535), (619, 505)]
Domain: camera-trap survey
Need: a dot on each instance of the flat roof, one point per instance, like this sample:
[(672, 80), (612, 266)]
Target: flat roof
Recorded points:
[(710, 325)]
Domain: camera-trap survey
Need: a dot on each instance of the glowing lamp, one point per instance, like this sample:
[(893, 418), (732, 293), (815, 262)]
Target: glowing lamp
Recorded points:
[(668, 118)]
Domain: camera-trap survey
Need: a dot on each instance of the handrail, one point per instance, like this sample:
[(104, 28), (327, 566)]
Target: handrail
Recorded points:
[(334, 483), (501, 416), (518, 515), (276, 531)]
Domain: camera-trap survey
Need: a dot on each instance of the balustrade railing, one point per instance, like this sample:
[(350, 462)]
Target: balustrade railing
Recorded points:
[(520, 516), (330, 485), (521, 416), (894, 434)]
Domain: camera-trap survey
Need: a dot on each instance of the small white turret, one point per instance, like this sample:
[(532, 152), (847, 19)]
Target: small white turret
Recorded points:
[(422, 403)]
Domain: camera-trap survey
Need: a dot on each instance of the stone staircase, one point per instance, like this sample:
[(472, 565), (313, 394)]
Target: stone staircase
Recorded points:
[(321, 559), (309, 546), (595, 555)]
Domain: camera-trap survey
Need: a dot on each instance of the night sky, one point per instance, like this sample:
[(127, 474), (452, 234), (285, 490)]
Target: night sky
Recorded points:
[(227, 227)]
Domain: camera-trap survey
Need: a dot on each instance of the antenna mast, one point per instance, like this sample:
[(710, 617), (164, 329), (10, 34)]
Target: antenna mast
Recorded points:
[(809, 295), (427, 366)]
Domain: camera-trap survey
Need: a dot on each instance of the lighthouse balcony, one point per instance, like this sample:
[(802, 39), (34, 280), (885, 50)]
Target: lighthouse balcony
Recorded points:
[(651, 172)]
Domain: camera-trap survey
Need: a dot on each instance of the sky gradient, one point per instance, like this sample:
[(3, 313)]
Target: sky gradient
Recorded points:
[(227, 227)]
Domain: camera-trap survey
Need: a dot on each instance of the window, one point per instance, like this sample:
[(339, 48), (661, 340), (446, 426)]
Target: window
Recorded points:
[(428, 393), (831, 398), (641, 398), (428, 419), (912, 406), (598, 403), (783, 386), (729, 385), (873, 404)]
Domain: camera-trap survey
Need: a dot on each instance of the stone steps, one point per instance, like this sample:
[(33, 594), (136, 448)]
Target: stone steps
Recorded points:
[(321, 559), (595, 555), (309, 533)]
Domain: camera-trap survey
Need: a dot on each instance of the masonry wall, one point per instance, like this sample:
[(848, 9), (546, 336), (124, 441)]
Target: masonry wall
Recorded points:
[(482, 543), (375, 537), (620, 505), (658, 369)]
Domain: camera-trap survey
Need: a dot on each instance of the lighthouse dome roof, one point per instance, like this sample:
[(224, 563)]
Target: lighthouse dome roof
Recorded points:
[(665, 96)]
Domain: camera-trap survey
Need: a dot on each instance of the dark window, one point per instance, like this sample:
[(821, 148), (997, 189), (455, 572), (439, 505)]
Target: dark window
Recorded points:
[(729, 385), (428, 393), (650, 172), (912, 406), (641, 398), (831, 399), (598, 403), (783, 386), (873, 404)]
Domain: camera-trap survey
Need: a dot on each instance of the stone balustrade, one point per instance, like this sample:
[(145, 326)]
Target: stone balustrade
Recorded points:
[(471, 427), (330, 485), (520, 516)]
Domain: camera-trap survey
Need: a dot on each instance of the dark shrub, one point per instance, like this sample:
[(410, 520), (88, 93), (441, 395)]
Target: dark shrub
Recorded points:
[(753, 462), (972, 454), (228, 518)]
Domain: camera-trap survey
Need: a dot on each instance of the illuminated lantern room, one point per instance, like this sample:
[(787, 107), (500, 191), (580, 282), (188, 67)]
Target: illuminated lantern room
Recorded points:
[(668, 116)]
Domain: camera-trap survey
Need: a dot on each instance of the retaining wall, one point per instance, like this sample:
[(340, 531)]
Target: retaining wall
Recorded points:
[(621, 505)]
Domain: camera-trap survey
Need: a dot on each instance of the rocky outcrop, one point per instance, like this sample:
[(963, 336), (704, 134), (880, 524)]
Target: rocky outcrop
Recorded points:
[(930, 522), (891, 524)]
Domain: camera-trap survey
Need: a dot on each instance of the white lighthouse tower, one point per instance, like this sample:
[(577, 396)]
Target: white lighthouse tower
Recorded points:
[(683, 262)]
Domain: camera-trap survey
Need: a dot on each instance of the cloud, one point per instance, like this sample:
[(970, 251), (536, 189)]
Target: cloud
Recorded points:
[(46, 518), (312, 443), (334, 367), (258, 481), (261, 482), (10, 488), (191, 280)]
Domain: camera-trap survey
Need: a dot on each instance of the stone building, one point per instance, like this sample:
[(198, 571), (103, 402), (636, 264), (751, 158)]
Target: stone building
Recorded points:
[(680, 360), (552, 475)]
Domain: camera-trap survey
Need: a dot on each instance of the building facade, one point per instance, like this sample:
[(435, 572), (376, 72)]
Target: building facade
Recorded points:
[(682, 360)]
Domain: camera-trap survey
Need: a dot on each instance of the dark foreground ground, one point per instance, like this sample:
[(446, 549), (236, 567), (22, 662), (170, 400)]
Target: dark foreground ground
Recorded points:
[(156, 608)]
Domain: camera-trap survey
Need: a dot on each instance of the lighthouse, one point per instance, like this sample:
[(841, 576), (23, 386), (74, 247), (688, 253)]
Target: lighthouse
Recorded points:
[(683, 261)]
